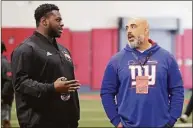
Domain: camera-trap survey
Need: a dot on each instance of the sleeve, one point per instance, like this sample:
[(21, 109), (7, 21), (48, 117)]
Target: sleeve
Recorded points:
[(108, 92), (7, 91), (176, 91), (22, 66)]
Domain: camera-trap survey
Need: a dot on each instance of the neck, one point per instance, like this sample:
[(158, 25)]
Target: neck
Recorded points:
[(144, 46), (44, 33)]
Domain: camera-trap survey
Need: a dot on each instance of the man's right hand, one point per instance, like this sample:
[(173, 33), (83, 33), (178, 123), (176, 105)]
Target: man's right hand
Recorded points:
[(120, 125), (62, 85)]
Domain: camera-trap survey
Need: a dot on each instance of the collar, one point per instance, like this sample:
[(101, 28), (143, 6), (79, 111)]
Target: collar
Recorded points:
[(151, 41), (44, 38)]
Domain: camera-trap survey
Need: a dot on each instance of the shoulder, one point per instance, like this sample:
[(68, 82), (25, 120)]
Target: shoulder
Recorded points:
[(116, 58), (169, 57), (25, 47), (4, 61)]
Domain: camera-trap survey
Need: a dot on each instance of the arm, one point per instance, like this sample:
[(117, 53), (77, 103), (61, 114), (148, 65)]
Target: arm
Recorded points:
[(22, 66), (108, 91), (7, 91), (176, 92)]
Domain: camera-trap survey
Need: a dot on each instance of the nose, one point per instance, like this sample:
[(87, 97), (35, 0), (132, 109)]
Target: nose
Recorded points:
[(129, 32), (61, 24)]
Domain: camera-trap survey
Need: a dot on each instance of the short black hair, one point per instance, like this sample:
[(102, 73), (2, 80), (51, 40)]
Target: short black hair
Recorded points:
[(43, 10), (3, 47)]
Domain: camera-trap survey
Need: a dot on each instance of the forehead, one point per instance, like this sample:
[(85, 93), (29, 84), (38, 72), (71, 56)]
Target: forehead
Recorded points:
[(136, 22)]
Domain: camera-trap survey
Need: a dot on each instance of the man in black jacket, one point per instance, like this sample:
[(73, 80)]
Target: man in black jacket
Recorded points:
[(188, 111), (6, 89), (43, 76)]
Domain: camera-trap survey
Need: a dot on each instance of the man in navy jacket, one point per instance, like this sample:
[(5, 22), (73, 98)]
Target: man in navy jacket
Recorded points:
[(145, 81)]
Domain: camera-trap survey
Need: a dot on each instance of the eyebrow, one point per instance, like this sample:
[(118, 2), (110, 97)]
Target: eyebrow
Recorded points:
[(133, 24), (130, 25), (60, 18)]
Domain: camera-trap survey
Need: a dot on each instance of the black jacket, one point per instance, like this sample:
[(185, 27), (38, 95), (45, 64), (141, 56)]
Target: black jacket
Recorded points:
[(36, 64), (6, 84)]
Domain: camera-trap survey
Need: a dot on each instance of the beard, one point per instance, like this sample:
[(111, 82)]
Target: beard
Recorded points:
[(53, 32), (135, 43)]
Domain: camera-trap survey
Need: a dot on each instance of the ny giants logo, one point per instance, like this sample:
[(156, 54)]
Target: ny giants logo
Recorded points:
[(149, 70)]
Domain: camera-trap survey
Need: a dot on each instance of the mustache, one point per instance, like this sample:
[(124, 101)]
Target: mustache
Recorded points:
[(130, 35), (60, 28)]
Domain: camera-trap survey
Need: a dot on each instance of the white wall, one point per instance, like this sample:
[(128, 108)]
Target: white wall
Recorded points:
[(84, 15)]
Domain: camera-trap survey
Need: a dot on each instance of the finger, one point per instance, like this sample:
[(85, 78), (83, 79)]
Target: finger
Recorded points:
[(61, 78), (71, 90), (64, 79), (74, 85), (70, 82), (74, 88)]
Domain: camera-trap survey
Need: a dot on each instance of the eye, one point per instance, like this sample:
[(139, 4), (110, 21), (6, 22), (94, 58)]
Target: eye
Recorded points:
[(126, 27), (133, 26), (58, 20)]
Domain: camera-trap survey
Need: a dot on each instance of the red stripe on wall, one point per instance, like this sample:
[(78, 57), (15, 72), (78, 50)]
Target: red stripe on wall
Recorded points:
[(104, 43), (81, 54), (187, 58), (13, 37), (179, 53)]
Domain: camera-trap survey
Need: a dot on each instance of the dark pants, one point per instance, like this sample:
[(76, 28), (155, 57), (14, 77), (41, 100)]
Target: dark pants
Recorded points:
[(5, 116), (189, 107), (5, 112), (71, 124)]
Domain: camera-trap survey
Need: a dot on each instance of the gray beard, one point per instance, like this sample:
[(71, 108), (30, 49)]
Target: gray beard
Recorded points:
[(134, 44)]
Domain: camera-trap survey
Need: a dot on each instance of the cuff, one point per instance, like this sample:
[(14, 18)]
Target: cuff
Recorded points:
[(51, 88), (115, 121)]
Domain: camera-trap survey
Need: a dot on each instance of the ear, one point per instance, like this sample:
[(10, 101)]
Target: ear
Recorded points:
[(44, 21), (146, 31)]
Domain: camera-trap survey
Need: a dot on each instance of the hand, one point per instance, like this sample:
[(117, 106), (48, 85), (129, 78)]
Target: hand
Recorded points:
[(167, 126), (120, 125), (62, 85)]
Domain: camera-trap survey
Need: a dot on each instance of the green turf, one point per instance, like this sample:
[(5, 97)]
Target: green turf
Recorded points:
[(92, 114)]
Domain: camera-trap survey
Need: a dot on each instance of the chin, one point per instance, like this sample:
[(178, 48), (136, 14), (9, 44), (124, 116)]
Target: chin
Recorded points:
[(57, 36), (133, 44)]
